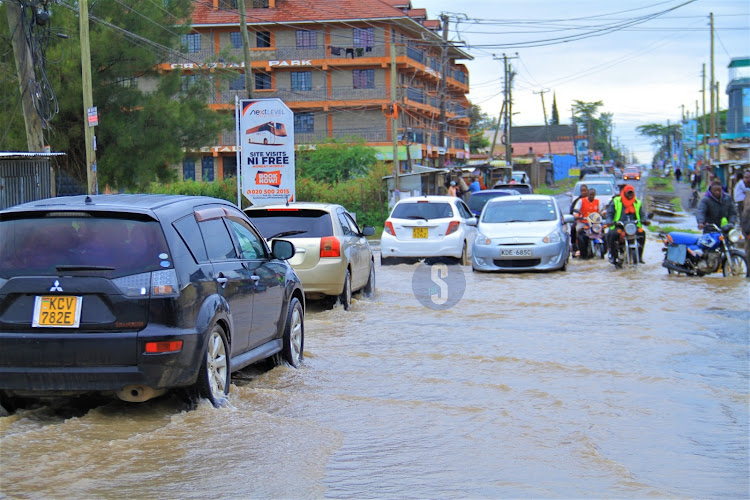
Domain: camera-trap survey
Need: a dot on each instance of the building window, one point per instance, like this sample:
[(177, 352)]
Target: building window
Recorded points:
[(207, 168), (191, 42), (228, 4), (260, 4), (188, 169), (230, 167), (236, 38), (262, 81), (263, 39), (187, 82), (301, 80), (238, 83), (307, 39), (364, 78), (304, 123), (364, 37)]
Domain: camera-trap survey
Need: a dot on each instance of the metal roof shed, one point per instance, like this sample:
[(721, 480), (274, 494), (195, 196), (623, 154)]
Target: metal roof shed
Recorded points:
[(25, 177)]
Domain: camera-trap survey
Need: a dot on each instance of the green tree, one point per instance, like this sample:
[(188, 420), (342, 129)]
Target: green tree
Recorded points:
[(336, 161), (662, 137), (555, 113), (597, 126), (480, 122), (140, 133)]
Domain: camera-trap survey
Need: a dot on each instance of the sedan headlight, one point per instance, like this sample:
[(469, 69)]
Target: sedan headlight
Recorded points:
[(553, 237), (734, 236), (481, 239)]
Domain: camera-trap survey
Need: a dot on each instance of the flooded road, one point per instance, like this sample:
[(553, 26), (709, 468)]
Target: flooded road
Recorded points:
[(587, 383)]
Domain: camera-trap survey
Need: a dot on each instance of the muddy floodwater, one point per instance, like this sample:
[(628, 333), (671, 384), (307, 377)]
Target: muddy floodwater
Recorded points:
[(587, 383)]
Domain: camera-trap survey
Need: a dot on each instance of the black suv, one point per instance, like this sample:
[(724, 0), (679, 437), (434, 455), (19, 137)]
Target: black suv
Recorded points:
[(133, 295)]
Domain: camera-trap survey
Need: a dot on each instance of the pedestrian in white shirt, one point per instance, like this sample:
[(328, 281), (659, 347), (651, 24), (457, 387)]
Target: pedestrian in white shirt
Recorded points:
[(741, 191)]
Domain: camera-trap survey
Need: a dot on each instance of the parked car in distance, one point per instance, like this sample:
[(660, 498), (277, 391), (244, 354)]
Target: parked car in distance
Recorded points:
[(478, 199), (520, 176), (134, 295), (617, 172), (605, 190), (333, 259), (524, 232), (428, 226), (631, 173), (521, 188)]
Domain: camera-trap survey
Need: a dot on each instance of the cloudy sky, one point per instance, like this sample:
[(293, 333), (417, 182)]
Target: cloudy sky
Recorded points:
[(643, 66)]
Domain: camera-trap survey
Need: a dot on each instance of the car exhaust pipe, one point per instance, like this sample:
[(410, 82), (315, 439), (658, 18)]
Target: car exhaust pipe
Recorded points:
[(139, 393), (678, 268)]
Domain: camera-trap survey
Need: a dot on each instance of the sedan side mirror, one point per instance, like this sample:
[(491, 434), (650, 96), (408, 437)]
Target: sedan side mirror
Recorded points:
[(568, 219), (471, 222), (283, 250), (368, 231)]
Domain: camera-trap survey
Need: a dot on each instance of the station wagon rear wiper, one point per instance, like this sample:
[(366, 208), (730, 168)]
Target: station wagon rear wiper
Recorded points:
[(286, 233), (417, 217), (83, 268)]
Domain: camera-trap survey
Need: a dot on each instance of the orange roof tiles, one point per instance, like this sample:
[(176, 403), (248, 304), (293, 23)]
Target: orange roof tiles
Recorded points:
[(417, 13), (290, 11)]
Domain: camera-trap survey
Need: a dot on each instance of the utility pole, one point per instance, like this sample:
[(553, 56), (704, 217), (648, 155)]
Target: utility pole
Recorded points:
[(394, 123), (88, 99), (546, 125), (26, 77), (713, 115), (704, 143), (718, 128), (246, 50), (443, 92), (497, 129), (508, 106)]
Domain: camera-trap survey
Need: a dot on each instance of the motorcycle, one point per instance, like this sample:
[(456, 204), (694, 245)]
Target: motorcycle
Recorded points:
[(698, 255), (627, 248), (594, 231)]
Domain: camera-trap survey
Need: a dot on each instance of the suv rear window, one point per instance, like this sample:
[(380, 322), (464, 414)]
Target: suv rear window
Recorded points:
[(478, 200), (48, 245), (291, 222), (422, 210)]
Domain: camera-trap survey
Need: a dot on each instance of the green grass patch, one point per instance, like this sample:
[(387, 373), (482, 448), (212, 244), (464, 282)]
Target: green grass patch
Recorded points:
[(677, 204), (660, 184), (563, 186), (654, 228)]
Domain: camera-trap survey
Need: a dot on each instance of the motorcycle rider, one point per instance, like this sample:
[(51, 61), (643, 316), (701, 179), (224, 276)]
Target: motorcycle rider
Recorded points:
[(589, 205), (716, 207), (575, 207), (621, 208)]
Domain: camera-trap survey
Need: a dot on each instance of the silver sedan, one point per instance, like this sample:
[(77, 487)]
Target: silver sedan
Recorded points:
[(524, 232)]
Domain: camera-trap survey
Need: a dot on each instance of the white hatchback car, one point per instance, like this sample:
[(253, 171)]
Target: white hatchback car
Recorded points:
[(428, 226)]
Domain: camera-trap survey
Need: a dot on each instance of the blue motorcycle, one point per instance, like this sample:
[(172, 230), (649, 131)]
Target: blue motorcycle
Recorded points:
[(701, 254)]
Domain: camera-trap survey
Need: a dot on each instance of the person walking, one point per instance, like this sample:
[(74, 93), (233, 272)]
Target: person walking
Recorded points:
[(452, 189)]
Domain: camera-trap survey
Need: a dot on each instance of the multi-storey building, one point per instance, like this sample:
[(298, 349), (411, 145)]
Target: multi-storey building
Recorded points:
[(330, 62)]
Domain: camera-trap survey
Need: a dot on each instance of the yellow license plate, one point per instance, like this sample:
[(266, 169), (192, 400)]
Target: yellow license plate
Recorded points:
[(419, 232), (57, 311)]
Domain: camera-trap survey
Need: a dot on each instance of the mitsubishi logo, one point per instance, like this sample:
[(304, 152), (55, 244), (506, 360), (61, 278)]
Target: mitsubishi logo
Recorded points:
[(56, 287)]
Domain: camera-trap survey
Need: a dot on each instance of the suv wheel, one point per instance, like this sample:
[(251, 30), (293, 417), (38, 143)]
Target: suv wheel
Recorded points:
[(214, 376)]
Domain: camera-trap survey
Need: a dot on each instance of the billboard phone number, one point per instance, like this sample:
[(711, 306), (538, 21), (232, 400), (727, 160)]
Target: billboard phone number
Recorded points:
[(268, 191)]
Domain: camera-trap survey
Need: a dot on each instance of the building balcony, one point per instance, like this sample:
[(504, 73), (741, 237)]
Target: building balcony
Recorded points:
[(315, 95)]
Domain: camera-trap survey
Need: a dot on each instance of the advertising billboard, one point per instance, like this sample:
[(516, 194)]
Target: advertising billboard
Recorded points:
[(266, 135)]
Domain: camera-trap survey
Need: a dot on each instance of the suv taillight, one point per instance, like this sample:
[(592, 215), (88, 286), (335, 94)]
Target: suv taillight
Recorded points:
[(389, 228), (155, 284), (452, 227), (330, 247)]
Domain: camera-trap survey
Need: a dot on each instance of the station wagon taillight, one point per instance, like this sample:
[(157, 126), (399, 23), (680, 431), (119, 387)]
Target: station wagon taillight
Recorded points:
[(452, 227), (163, 347), (389, 228), (330, 247)]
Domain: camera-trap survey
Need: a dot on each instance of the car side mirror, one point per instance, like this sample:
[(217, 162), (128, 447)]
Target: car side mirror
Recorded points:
[(283, 250), (368, 231), (568, 219), (471, 222)]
